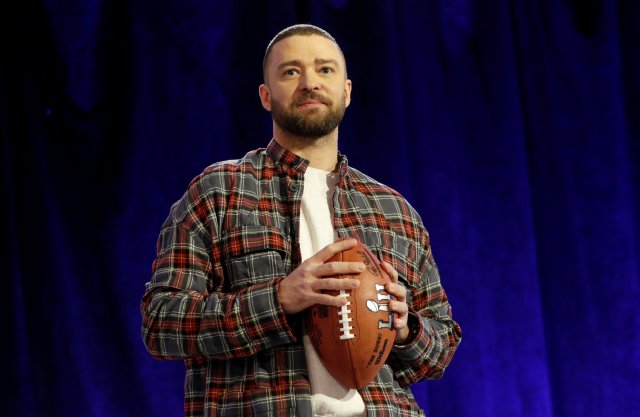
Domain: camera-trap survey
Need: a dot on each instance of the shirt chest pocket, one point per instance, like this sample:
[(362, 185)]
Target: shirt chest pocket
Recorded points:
[(253, 254), (400, 253)]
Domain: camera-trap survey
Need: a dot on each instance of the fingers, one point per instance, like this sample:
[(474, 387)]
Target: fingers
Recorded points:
[(334, 248), (322, 268), (401, 310), (305, 286), (335, 284), (398, 291), (399, 302), (389, 269), (399, 307), (336, 301), (334, 269)]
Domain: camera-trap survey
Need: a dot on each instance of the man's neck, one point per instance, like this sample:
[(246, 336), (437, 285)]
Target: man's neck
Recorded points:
[(321, 152)]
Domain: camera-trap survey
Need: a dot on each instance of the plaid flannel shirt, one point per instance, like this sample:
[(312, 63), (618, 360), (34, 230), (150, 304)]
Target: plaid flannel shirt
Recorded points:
[(222, 252)]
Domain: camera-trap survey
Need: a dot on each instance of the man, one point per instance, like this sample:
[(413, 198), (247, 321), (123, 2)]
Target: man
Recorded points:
[(244, 253)]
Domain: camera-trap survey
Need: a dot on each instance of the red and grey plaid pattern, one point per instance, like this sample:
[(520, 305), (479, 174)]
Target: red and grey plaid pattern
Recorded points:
[(222, 252)]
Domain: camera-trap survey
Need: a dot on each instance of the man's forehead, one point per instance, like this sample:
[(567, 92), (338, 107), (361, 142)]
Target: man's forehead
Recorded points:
[(311, 47)]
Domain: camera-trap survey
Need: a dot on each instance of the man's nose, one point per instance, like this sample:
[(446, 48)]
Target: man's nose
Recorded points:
[(309, 81)]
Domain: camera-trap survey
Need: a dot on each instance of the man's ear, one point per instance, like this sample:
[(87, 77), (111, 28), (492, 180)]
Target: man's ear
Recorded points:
[(347, 92), (265, 96)]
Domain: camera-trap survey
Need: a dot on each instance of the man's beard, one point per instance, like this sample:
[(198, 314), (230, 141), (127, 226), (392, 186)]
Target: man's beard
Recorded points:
[(313, 125)]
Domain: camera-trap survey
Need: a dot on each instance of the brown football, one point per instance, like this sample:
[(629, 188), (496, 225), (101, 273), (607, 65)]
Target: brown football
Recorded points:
[(353, 341)]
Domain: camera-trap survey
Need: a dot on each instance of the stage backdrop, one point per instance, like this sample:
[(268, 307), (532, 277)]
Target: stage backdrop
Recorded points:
[(513, 127)]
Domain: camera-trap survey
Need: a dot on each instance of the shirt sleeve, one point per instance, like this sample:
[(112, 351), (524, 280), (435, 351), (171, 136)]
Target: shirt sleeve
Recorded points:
[(438, 335), (186, 313)]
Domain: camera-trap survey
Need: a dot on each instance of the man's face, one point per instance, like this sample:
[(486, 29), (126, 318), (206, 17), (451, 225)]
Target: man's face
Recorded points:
[(306, 87)]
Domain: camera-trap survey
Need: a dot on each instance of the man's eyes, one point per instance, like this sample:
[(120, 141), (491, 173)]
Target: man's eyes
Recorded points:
[(291, 72)]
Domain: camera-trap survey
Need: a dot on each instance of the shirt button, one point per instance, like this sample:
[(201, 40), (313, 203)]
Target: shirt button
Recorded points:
[(294, 187)]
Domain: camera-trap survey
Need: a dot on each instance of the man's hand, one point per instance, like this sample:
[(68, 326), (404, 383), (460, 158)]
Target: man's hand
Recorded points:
[(303, 287), (398, 305)]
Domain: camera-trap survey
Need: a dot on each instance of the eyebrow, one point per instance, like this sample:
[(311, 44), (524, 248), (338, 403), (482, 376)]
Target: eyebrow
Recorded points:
[(317, 61)]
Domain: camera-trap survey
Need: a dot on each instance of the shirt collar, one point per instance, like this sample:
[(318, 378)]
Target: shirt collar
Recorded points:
[(282, 156)]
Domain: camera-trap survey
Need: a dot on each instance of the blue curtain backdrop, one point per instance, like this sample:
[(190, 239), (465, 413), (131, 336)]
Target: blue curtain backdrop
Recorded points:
[(512, 126)]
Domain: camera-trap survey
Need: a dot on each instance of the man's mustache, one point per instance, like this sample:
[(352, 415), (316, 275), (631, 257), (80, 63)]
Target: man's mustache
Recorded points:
[(313, 96)]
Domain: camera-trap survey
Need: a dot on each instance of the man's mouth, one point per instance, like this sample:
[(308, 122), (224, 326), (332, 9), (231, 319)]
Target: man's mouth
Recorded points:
[(311, 101)]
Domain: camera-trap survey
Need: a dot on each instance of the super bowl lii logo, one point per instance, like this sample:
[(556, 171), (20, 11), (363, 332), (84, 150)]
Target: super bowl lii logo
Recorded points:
[(378, 306)]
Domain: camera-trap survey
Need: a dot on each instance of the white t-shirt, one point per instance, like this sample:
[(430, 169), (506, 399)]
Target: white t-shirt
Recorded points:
[(328, 396)]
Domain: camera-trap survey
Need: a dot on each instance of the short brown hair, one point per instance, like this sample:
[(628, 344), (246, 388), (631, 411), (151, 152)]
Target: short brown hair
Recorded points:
[(296, 30)]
